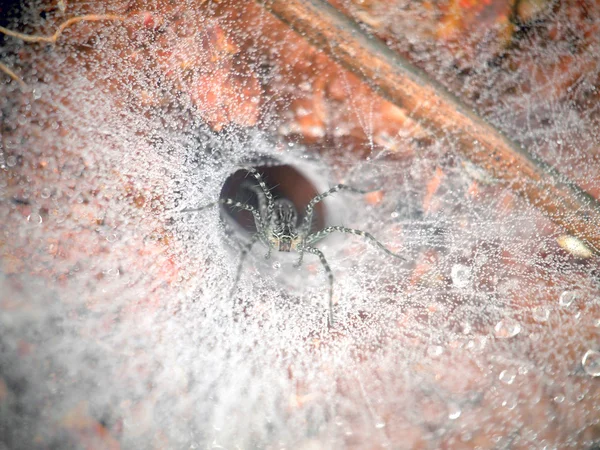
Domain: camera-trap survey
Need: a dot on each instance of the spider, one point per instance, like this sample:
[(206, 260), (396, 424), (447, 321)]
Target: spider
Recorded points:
[(278, 227)]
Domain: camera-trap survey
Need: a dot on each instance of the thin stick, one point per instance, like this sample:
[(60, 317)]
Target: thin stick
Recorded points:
[(13, 75), (432, 105), (32, 39)]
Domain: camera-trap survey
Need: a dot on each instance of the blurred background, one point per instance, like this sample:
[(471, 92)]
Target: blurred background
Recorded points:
[(116, 326)]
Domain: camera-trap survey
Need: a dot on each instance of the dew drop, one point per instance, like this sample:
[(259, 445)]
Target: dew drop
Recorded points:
[(454, 411), (477, 344), (276, 265), (575, 246), (567, 298), (466, 436), (11, 161), (510, 403), (540, 314), (434, 351), (591, 363), (559, 399), (35, 218), (507, 328), (380, 425), (507, 376), (461, 275), (112, 272), (395, 215), (45, 193)]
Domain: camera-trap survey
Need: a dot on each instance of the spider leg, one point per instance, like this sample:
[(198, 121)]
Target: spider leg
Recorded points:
[(234, 204), (325, 231), (299, 262), (321, 256), (260, 196), (265, 190), (308, 212), (238, 273)]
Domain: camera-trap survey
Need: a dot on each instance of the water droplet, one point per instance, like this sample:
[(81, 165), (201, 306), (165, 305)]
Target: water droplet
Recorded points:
[(45, 193), (567, 298), (575, 246), (507, 376), (434, 351), (507, 328), (35, 218), (597, 323), (461, 275), (276, 265), (540, 314), (477, 344), (559, 398), (37, 94), (510, 403), (466, 436), (380, 425), (11, 161), (591, 363), (112, 272), (395, 215), (454, 411)]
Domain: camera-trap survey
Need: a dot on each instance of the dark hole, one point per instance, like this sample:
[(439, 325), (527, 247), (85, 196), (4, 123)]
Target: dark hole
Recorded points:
[(283, 181)]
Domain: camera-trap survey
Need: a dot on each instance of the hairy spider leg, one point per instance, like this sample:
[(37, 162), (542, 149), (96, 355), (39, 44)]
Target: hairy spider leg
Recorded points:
[(245, 250), (260, 196), (256, 236), (266, 191), (262, 208), (312, 238), (308, 212), (319, 253), (260, 227)]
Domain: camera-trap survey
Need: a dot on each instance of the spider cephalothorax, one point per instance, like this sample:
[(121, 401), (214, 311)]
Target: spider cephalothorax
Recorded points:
[(278, 228), (281, 232)]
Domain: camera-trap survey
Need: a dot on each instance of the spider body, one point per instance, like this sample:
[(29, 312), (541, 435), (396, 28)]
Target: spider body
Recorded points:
[(282, 232), (277, 226)]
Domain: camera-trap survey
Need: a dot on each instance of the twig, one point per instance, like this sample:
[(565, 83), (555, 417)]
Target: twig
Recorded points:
[(13, 75), (432, 105), (32, 39)]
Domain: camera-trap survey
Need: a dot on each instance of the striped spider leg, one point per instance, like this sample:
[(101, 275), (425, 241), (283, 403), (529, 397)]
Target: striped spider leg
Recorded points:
[(313, 238), (264, 212), (308, 212)]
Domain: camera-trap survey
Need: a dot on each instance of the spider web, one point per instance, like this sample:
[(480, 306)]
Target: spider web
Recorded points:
[(117, 328)]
